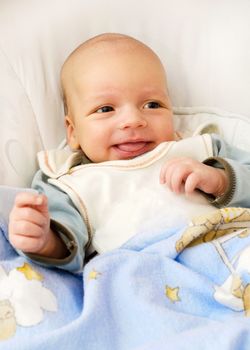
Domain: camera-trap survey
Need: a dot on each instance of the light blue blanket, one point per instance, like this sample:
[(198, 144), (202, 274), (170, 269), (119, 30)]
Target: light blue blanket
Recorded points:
[(149, 294)]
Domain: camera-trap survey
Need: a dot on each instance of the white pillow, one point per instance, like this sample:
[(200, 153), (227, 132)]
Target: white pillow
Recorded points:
[(234, 128)]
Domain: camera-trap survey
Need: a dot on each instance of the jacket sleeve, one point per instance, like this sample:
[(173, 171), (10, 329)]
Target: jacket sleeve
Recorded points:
[(67, 222), (236, 163)]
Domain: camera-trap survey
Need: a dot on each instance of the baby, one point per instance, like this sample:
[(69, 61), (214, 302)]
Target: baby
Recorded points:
[(119, 120)]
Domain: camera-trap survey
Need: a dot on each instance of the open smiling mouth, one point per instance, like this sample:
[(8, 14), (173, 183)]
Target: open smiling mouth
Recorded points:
[(133, 149)]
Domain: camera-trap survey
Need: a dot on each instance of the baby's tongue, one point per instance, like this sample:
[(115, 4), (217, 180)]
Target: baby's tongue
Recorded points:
[(131, 146)]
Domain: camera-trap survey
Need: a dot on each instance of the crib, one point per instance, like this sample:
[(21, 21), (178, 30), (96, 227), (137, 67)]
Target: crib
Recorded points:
[(205, 47)]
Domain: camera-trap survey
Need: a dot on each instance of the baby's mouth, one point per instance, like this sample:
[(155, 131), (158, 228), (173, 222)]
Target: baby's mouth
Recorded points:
[(127, 150), (132, 146)]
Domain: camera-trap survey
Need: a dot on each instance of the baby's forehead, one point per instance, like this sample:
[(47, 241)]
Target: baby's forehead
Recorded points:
[(109, 43), (90, 49), (97, 47), (90, 53)]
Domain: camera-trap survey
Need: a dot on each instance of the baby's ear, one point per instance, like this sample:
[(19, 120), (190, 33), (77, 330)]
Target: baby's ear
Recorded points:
[(71, 136)]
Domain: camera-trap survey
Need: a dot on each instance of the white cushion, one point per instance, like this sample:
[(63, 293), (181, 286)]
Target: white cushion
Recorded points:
[(204, 44), (234, 128)]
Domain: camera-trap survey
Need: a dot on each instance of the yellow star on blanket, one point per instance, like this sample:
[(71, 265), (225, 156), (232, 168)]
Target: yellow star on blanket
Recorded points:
[(172, 293), (93, 275), (29, 273)]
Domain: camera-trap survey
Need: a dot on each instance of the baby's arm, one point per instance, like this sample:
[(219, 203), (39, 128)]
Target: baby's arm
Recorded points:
[(29, 227), (189, 174)]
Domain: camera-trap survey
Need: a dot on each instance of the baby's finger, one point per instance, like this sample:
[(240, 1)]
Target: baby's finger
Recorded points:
[(163, 174), (30, 214), (179, 177), (26, 243), (166, 172), (38, 201), (166, 169), (25, 228), (27, 198), (191, 183)]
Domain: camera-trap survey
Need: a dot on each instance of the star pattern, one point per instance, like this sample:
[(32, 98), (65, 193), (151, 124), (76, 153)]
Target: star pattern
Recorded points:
[(29, 273), (172, 294), (93, 275)]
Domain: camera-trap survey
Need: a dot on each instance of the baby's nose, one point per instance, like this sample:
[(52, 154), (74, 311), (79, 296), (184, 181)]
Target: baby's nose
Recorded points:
[(134, 120)]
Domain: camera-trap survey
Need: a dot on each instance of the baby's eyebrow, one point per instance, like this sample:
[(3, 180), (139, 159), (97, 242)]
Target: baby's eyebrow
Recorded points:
[(108, 94)]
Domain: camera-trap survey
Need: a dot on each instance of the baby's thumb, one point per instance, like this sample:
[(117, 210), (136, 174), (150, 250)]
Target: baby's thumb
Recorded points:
[(41, 203)]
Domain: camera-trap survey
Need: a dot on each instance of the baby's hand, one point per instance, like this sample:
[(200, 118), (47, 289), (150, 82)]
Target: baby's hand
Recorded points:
[(190, 174), (29, 223)]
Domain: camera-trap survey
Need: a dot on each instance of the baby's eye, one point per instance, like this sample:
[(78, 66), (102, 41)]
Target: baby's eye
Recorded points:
[(105, 109), (152, 104)]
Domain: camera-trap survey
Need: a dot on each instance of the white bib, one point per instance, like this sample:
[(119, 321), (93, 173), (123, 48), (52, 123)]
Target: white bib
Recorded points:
[(121, 198)]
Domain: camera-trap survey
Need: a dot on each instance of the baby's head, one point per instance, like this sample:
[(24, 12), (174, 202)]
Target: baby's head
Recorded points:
[(116, 98)]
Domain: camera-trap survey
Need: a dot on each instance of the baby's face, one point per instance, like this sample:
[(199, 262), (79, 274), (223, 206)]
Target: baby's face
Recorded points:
[(120, 107)]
